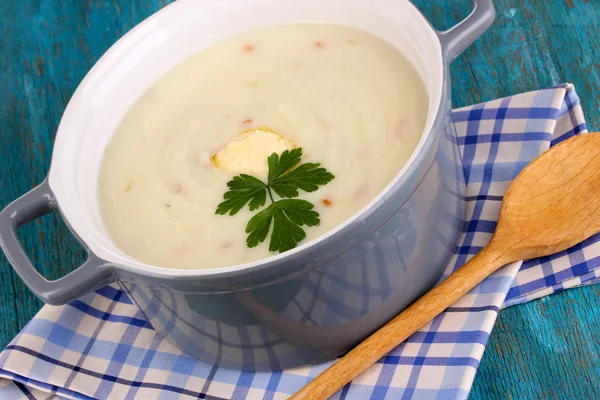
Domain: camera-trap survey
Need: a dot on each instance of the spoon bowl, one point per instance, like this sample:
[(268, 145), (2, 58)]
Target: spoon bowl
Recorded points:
[(554, 203)]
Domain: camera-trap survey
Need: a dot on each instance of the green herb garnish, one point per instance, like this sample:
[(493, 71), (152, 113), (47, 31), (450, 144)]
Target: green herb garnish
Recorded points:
[(287, 215)]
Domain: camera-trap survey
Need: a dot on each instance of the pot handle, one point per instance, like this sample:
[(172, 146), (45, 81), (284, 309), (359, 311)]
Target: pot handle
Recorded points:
[(92, 275), (456, 40)]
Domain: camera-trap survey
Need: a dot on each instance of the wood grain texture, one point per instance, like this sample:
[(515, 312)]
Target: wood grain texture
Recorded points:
[(544, 349)]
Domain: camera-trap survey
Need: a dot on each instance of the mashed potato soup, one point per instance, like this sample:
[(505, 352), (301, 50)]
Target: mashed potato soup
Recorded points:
[(348, 99)]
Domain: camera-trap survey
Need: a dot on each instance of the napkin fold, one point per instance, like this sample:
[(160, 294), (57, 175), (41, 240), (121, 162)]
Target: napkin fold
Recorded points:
[(101, 347)]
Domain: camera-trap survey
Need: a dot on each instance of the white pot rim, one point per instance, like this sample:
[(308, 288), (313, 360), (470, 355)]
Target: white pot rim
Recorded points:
[(69, 176)]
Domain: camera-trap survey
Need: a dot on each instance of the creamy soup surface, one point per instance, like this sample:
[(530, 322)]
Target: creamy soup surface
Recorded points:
[(349, 99)]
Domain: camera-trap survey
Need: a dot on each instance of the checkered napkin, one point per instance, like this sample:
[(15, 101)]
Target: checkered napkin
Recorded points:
[(101, 347)]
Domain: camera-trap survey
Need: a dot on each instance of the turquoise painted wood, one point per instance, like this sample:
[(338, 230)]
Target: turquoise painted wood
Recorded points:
[(545, 349)]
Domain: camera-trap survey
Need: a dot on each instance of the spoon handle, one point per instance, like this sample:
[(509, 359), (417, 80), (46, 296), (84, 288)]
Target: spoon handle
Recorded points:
[(402, 326)]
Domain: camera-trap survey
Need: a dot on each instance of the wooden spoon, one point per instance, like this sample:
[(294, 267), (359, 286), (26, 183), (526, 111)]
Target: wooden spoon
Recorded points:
[(553, 204)]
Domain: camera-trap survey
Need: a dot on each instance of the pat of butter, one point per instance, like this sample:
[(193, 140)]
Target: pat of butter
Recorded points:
[(248, 153)]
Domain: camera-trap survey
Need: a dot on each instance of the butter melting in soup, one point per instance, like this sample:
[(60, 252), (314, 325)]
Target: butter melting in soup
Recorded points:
[(350, 100)]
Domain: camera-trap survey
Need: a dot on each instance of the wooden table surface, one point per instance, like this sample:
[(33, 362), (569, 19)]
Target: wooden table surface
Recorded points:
[(545, 349)]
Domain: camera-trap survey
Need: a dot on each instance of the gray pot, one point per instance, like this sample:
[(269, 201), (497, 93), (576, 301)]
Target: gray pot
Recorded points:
[(307, 305)]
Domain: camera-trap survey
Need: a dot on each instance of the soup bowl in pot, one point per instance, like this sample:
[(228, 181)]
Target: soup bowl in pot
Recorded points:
[(304, 306)]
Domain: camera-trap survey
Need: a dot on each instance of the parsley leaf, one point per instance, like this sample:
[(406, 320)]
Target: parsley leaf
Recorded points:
[(243, 189), (287, 216), (279, 165), (299, 212), (259, 226), (307, 177), (285, 180)]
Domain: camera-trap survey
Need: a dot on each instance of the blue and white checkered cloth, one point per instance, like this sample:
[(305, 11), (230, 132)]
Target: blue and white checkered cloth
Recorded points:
[(101, 347)]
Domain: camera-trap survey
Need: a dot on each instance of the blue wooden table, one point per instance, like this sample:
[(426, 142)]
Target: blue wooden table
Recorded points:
[(545, 349)]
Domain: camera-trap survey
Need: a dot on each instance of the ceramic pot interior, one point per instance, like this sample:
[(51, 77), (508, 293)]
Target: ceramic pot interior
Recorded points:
[(170, 36)]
